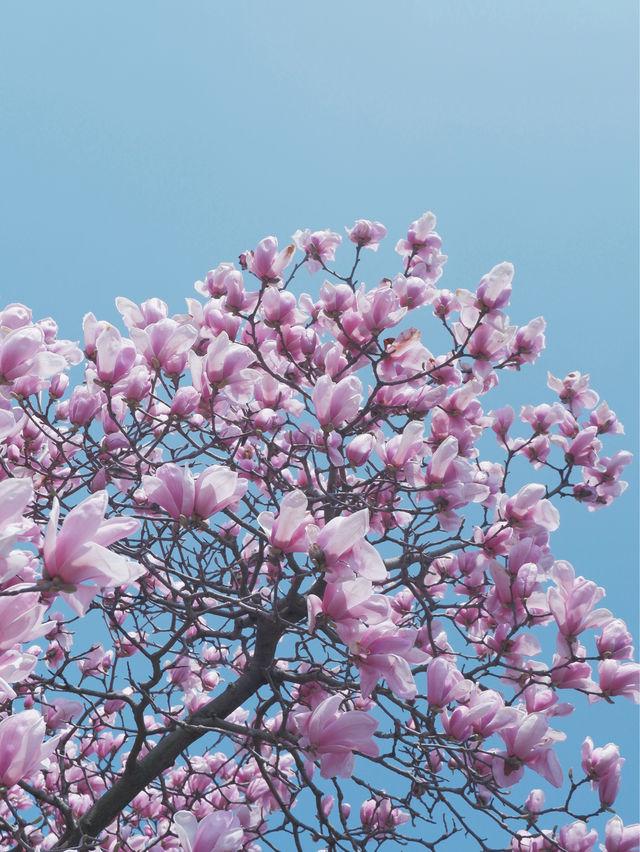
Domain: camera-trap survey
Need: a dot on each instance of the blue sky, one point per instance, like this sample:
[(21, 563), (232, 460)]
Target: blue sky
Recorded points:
[(143, 143)]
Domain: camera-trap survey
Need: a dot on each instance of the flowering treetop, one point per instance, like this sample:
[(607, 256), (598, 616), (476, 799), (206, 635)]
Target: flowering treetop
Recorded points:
[(263, 573)]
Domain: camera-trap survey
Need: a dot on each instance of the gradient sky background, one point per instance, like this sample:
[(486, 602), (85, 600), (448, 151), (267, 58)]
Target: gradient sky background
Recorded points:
[(143, 143)]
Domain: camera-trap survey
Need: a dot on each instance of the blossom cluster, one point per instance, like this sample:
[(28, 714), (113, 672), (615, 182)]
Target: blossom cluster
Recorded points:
[(266, 522)]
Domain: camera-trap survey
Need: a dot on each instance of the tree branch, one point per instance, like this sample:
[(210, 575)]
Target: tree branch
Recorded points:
[(167, 751)]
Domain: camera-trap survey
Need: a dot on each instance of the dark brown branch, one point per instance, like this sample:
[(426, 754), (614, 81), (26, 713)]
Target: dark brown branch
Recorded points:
[(167, 751)]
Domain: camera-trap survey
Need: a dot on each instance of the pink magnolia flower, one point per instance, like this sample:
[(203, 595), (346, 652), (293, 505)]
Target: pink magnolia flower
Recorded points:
[(573, 600), (336, 403), (21, 619), (535, 802), (351, 604), (420, 235), (615, 640), (379, 816), (367, 234), (220, 831), (616, 678), (620, 837), (15, 494), (341, 549), (382, 651), (574, 391), (225, 367), (319, 246), (143, 315), (528, 511), (445, 683), (576, 837), (114, 355), (266, 262), (494, 289), (287, 531), (332, 736), (78, 553), (529, 741), (602, 766), (164, 344), (182, 495), (218, 281), (23, 352), (21, 746)]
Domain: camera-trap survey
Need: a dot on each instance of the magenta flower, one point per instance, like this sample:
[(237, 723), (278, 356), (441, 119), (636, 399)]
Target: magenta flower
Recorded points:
[(225, 366), (140, 316), (445, 683), (178, 492), (332, 736), (367, 234), (384, 651), (15, 494), (23, 352), (114, 355), (344, 550), (319, 246), (379, 816), (602, 766), (266, 262), (616, 678), (494, 289), (576, 837), (164, 344), (21, 746), (220, 831), (336, 403), (574, 391), (287, 531), (21, 619), (572, 602), (620, 837), (78, 554), (529, 741)]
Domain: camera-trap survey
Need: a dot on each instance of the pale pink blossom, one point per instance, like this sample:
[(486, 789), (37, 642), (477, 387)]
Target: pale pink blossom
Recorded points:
[(164, 344), (494, 289), (367, 234), (319, 246), (114, 356), (220, 831), (336, 402), (602, 766), (332, 736), (175, 489), (529, 741), (78, 553), (266, 262), (620, 837), (21, 746), (287, 530), (574, 391), (342, 550), (576, 837), (379, 816), (23, 352), (15, 495), (382, 651), (445, 683), (21, 619), (616, 678)]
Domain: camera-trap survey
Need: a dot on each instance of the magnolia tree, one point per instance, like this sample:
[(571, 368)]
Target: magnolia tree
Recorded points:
[(266, 579)]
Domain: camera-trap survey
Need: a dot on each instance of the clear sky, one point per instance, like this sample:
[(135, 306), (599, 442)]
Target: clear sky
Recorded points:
[(143, 143)]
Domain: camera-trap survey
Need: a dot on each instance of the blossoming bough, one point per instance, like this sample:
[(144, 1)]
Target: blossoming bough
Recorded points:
[(263, 528)]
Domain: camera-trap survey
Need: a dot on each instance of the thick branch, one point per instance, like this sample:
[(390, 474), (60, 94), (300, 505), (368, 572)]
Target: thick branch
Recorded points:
[(165, 754)]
